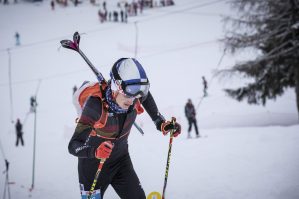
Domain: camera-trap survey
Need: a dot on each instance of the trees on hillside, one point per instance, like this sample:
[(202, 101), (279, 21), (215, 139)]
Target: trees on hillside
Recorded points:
[(271, 28)]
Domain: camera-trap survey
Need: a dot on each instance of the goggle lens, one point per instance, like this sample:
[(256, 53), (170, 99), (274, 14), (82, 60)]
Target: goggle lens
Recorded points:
[(136, 90)]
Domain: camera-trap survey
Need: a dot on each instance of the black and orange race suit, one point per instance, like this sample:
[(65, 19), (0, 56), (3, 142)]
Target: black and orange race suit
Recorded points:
[(90, 133)]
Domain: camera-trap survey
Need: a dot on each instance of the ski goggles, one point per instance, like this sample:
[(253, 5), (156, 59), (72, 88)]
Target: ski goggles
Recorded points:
[(134, 89)]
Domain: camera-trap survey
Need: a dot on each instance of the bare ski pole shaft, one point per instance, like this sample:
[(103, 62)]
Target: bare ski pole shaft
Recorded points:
[(96, 178)]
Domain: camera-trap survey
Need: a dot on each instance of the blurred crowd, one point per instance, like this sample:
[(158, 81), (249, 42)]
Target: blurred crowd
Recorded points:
[(124, 9)]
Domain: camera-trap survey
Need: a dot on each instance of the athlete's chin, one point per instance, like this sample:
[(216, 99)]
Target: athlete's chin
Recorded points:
[(126, 107)]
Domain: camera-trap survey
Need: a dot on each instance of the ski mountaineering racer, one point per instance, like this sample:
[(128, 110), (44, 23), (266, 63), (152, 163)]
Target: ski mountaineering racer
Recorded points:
[(101, 134)]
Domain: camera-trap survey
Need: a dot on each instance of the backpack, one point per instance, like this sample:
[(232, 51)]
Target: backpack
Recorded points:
[(95, 89)]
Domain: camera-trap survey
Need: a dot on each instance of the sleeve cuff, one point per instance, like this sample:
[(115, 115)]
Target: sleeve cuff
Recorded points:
[(158, 121)]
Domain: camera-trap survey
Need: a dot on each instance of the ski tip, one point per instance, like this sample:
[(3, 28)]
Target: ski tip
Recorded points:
[(69, 44)]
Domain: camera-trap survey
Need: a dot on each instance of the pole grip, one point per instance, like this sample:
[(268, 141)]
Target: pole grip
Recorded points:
[(173, 120)]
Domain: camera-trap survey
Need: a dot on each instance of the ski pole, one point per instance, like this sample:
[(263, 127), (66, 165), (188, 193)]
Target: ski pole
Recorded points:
[(138, 128), (168, 158), (74, 45), (96, 178)]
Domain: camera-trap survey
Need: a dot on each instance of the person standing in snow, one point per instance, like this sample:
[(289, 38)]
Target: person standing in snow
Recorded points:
[(205, 86), (115, 16), (102, 16), (104, 6), (33, 104), (191, 117), (52, 5), (19, 132), (104, 126), (122, 15), (17, 36)]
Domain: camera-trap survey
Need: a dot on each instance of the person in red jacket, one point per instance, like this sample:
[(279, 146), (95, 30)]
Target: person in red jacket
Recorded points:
[(103, 129)]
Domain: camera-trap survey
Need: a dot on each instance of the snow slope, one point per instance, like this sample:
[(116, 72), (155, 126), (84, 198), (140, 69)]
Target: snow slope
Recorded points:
[(249, 152)]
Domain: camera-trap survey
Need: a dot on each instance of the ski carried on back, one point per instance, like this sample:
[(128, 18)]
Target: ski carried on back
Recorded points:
[(74, 45)]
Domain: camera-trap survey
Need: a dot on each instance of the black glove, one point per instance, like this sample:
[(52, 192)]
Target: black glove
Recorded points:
[(167, 126)]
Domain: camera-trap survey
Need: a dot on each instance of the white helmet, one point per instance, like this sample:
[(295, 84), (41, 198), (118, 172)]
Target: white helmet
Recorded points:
[(127, 75)]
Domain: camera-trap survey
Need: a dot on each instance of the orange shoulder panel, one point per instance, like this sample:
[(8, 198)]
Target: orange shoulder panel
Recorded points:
[(89, 91), (138, 107)]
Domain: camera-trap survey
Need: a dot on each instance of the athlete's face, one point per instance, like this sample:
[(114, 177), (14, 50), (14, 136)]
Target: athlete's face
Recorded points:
[(123, 100)]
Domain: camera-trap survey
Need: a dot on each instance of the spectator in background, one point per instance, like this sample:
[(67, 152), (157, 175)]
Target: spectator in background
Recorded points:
[(17, 36), (125, 16), (135, 7), (205, 86), (104, 5), (101, 16), (115, 16), (52, 5), (122, 16), (33, 104), (127, 7), (109, 16), (141, 4), (191, 117), (19, 132)]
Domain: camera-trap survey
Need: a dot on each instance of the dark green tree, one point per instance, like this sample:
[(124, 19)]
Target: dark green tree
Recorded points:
[(271, 29)]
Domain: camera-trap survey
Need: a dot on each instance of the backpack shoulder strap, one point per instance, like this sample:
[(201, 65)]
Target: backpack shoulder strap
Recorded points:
[(89, 89), (103, 119)]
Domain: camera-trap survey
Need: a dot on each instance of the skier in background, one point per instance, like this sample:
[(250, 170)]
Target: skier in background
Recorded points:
[(19, 132), (102, 16), (105, 5), (205, 86), (115, 16), (33, 104), (191, 117), (17, 36), (52, 5), (122, 16), (104, 126)]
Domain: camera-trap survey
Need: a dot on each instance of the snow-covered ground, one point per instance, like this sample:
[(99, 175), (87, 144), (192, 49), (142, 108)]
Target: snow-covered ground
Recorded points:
[(248, 152)]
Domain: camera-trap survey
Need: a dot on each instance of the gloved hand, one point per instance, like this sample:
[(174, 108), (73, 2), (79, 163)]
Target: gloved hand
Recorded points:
[(167, 126), (104, 150)]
